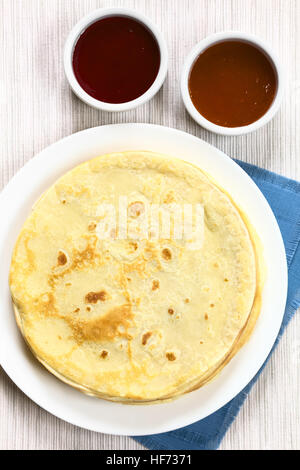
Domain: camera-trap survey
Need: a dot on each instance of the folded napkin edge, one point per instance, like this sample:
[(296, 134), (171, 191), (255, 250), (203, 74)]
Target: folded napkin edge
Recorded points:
[(267, 175)]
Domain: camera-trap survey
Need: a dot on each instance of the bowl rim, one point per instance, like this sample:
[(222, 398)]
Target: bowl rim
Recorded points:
[(81, 26), (227, 36)]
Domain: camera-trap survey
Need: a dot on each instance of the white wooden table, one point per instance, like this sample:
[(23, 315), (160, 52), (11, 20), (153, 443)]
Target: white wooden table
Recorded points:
[(38, 108)]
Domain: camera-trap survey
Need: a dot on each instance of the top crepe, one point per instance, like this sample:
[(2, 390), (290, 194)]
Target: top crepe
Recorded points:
[(141, 317)]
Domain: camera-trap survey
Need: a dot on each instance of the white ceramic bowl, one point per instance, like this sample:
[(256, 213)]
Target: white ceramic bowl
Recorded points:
[(81, 26), (202, 46)]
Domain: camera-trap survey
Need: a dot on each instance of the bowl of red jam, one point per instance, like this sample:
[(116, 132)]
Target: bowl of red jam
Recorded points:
[(232, 83), (115, 59)]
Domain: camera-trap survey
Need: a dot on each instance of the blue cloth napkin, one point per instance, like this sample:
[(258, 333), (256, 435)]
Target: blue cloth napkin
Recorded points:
[(283, 196)]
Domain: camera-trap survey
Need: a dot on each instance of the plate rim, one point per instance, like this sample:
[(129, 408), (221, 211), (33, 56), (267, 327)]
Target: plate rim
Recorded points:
[(183, 422)]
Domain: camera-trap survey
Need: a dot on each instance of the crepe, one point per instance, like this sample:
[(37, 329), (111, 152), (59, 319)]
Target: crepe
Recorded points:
[(142, 316)]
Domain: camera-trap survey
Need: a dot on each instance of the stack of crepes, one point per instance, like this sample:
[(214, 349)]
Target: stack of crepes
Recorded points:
[(145, 317)]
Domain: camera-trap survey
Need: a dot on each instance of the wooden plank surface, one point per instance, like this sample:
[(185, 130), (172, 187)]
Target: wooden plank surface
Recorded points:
[(37, 108)]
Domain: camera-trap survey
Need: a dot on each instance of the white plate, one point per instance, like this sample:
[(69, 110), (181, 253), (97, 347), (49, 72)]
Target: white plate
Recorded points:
[(100, 415)]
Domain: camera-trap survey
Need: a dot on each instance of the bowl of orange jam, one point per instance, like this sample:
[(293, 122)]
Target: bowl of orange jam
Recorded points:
[(232, 83)]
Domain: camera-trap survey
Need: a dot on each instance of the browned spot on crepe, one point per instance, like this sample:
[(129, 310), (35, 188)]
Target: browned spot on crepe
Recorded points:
[(170, 356), (61, 259), (134, 245), (46, 304), (93, 297), (166, 254), (145, 337), (135, 209), (92, 226), (86, 256), (104, 328)]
